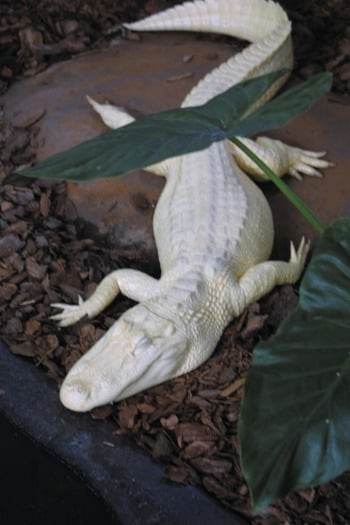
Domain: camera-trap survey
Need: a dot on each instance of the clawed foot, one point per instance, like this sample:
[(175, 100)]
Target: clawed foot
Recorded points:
[(298, 257), (281, 158), (295, 161), (71, 313), (304, 162)]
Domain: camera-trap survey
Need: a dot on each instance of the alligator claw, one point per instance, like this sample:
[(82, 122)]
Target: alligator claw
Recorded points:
[(71, 313)]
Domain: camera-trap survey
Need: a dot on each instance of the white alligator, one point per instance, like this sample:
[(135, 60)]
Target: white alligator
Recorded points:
[(212, 225)]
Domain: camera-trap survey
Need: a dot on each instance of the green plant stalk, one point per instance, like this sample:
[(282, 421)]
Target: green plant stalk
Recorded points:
[(291, 196)]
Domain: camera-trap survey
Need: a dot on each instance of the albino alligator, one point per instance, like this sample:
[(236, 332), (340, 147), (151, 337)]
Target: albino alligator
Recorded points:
[(212, 225)]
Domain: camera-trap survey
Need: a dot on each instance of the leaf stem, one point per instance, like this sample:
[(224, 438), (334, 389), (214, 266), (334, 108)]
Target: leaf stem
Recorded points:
[(287, 192)]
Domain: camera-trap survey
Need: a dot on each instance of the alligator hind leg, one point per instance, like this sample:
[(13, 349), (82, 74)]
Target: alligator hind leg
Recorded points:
[(282, 159), (115, 117), (262, 278), (132, 283)]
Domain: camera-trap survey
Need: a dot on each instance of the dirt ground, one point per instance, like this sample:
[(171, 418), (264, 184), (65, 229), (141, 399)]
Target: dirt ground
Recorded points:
[(189, 423)]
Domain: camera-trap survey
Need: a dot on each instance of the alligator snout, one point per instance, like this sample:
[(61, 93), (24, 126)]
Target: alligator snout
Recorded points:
[(140, 350)]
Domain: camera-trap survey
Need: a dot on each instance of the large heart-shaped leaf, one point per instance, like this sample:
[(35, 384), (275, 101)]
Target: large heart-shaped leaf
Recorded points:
[(287, 105), (295, 422), (156, 137)]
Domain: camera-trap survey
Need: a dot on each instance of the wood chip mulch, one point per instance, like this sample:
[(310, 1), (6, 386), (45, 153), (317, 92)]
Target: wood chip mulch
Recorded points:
[(321, 39), (36, 35), (190, 423)]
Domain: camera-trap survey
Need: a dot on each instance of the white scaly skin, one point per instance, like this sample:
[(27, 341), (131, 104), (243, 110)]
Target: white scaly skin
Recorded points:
[(212, 225)]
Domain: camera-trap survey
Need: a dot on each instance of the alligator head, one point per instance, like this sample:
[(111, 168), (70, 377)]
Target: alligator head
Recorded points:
[(140, 350)]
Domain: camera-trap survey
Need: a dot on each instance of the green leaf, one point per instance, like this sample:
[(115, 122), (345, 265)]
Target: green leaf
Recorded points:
[(156, 137), (286, 106), (295, 422)]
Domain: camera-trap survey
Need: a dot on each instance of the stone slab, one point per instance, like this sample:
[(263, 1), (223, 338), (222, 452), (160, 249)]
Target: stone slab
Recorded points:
[(150, 75)]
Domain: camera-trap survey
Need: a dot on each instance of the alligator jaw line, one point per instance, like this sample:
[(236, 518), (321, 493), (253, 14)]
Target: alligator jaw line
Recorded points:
[(212, 225)]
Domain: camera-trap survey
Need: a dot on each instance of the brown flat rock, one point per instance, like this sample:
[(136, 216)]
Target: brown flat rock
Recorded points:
[(150, 75), (143, 76)]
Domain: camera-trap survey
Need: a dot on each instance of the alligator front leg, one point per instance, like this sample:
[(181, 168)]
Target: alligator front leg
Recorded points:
[(280, 157), (262, 278), (132, 283)]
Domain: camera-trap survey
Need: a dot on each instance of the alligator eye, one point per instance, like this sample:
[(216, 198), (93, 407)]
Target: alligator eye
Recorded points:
[(169, 330), (140, 345)]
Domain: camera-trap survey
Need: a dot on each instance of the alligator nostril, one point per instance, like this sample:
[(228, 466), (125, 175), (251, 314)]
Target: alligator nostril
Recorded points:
[(74, 395)]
